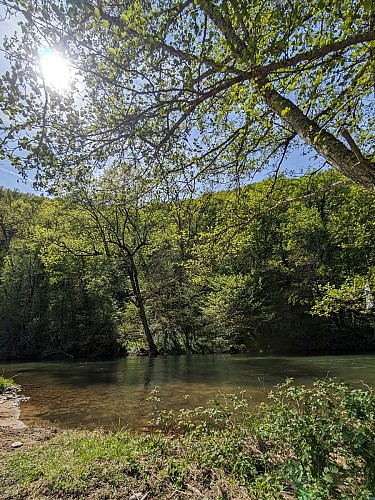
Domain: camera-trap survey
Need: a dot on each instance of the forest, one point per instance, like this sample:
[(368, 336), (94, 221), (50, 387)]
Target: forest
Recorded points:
[(206, 180), (144, 125), (110, 271)]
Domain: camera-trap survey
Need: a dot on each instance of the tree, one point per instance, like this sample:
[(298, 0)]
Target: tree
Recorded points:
[(265, 270), (174, 298), (122, 218), (52, 302), (82, 310), (231, 270), (193, 87)]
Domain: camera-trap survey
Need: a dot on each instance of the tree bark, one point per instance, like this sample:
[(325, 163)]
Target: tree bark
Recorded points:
[(133, 276), (359, 169)]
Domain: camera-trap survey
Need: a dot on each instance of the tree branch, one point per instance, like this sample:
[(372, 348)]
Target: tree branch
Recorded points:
[(353, 146), (317, 53), (325, 143)]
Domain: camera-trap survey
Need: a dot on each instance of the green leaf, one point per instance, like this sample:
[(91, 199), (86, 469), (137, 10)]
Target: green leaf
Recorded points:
[(367, 5)]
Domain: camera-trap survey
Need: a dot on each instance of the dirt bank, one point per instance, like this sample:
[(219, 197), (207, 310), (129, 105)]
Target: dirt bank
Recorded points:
[(12, 429)]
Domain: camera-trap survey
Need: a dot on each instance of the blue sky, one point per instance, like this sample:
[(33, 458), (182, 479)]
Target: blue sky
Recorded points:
[(10, 178)]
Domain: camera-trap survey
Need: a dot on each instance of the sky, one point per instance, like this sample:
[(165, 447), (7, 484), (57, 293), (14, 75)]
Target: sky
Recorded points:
[(11, 179)]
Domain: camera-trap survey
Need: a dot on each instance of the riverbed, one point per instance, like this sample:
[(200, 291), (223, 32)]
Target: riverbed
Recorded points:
[(114, 393)]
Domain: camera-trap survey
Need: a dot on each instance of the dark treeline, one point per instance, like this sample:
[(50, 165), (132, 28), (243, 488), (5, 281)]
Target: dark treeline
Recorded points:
[(233, 271)]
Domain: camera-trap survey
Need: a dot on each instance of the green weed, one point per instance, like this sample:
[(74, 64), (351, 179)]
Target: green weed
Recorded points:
[(5, 383), (305, 443)]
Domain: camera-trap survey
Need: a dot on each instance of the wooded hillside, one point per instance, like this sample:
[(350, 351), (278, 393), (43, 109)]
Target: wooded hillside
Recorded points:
[(230, 271)]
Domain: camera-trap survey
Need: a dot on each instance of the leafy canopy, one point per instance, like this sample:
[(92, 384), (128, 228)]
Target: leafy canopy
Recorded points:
[(191, 88)]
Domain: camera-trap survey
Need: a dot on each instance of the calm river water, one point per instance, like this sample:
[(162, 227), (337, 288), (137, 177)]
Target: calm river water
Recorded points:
[(113, 393)]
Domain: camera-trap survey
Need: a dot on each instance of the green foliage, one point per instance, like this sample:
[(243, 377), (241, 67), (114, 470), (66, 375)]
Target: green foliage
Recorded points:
[(316, 442), (50, 305), (5, 383), (230, 271), (195, 82), (163, 100), (327, 435), (233, 309), (348, 300)]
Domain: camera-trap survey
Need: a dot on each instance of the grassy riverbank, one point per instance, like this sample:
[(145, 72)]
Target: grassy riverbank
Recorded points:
[(305, 443)]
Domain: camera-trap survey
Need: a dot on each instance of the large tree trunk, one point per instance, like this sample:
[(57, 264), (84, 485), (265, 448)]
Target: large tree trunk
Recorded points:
[(133, 276), (351, 164), (357, 168)]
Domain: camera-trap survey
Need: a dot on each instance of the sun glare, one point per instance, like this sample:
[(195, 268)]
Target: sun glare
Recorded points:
[(55, 69)]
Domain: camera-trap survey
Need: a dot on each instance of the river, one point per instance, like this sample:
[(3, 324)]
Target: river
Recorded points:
[(113, 394)]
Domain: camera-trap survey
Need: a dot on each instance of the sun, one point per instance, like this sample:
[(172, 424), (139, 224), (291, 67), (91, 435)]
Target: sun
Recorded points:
[(55, 69)]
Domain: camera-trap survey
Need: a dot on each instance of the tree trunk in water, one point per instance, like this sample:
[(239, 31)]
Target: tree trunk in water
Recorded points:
[(133, 276)]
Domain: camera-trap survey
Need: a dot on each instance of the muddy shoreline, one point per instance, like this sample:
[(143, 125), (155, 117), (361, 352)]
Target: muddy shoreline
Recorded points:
[(12, 429)]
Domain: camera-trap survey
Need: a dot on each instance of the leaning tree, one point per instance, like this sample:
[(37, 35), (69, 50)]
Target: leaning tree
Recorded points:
[(193, 87)]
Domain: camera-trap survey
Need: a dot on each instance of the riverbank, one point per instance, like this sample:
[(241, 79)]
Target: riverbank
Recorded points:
[(14, 434), (10, 402), (307, 443)]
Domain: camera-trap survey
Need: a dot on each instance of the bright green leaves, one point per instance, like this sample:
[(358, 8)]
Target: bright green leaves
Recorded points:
[(173, 70), (98, 16), (135, 17), (46, 280), (347, 300)]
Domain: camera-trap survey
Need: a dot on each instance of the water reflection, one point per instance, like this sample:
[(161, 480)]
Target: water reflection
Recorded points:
[(114, 393)]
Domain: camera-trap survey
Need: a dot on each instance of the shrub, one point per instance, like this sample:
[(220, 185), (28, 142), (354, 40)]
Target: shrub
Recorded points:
[(323, 438), (316, 442), (5, 384)]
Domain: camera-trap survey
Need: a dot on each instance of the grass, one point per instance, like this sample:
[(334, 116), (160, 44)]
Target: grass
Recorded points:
[(305, 443), (5, 383)]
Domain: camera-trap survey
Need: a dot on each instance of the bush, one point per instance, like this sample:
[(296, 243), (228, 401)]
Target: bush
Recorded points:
[(324, 438), (316, 442), (5, 384)]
